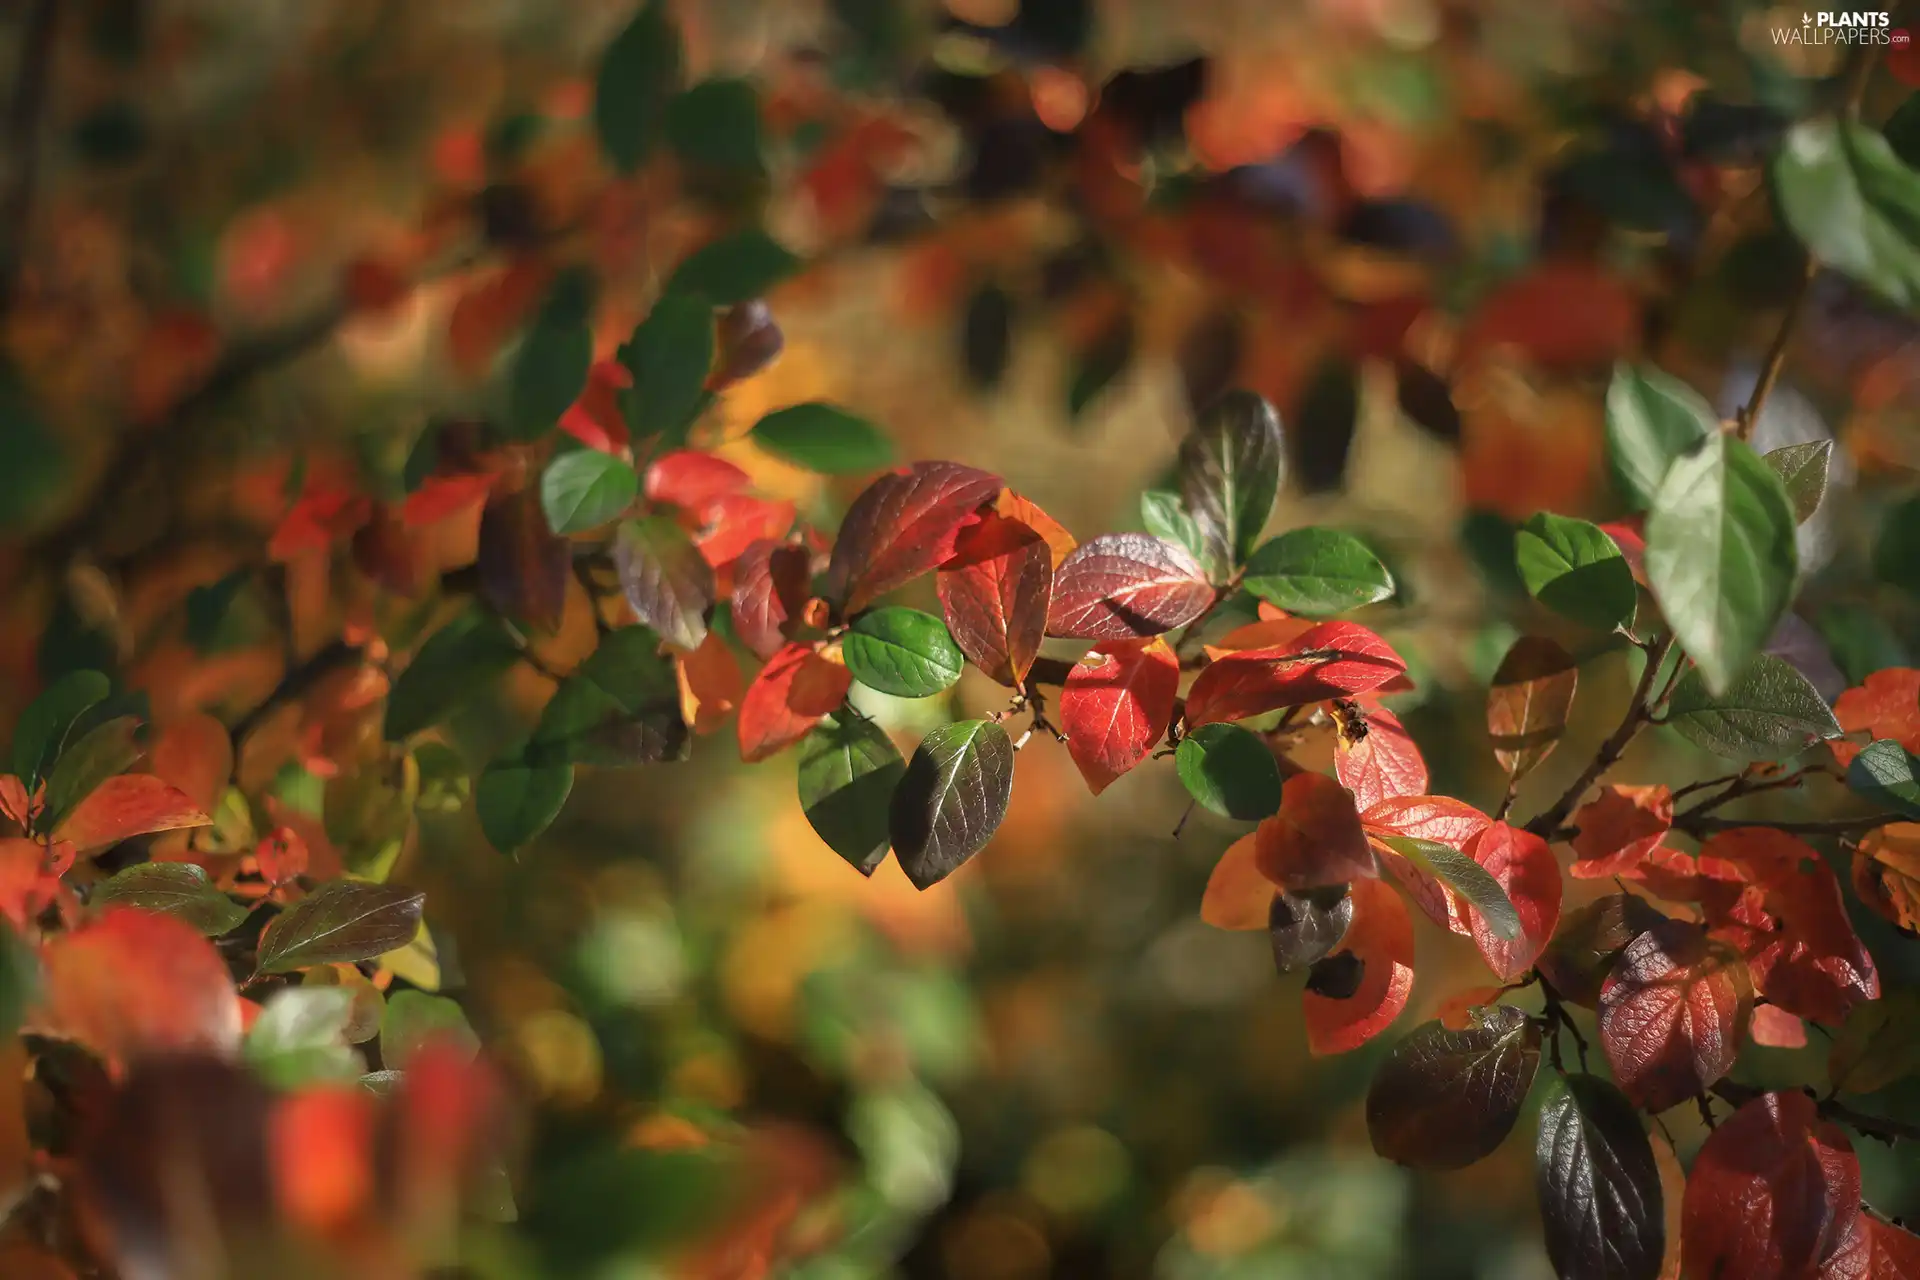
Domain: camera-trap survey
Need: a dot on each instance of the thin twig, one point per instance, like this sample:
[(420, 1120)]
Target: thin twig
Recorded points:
[(33, 77), (1696, 824), (297, 681), (1636, 718), (1880, 1128), (1776, 356)]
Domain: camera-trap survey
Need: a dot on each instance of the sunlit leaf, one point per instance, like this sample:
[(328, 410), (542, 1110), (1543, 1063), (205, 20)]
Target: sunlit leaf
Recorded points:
[(178, 889), (1851, 201), (1523, 866), (1331, 660), (1618, 829), (792, 692), (902, 652), (951, 800), (1314, 572), (1381, 762), (414, 1020), (586, 488), (1769, 712), (132, 804), (1673, 1014), (1803, 470), (1120, 586), (1445, 1099), (1886, 704), (995, 593), (341, 921), (1166, 517), (770, 582), (1589, 941), (1113, 711), (1653, 419), (1315, 839), (903, 525), (1529, 701), (1888, 774), (1461, 873)]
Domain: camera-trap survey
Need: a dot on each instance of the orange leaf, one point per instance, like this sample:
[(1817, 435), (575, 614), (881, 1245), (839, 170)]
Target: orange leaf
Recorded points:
[(1237, 896), (1618, 829), (131, 982), (29, 881), (1268, 633), (1886, 873), (1456, 1012), (320, 1147), (1885, 705), (1381, 762), (317, 521), (1526, 869), (710, 684), (1059, 542), (1778, 1029), (1381, 940), (281, 855), (792, 692), (1114, 711), (1316, 839), (1673, 1014), (194, 753), (1442, 819), (1331, 660), (1773, 1192), (132, 804), (1527, 705)]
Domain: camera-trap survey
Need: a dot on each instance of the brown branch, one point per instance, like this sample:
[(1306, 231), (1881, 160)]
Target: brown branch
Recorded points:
[(1776, 356), (298, 680), (1699, 824), (1638, 715), (34, 76), (1880, 1128)]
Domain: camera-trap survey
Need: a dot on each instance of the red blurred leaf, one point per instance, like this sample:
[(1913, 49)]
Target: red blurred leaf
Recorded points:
[(692, 479), (1778, 1029), (1381, 940), (1316, 839), (595, 419), (317, 521), (1441, 819), (1773, 1192), (1526, 869), (1791, 925), (132, 804), (903, 525), (1114, 711), (1381, 763), (731, 524), (770, 583), (1886, 873), (1527, 705), (1673, 1014), (194, 753), (1237, 896), (994, 592), (1631, 538), (441, 496), (1014, 507), (29, 879), (1885, 705), (131, 982), (390, 554), (792, 692), (524, 566), (1618, 829), (1122, 585), (320, 1149), (710, 684), (1332, 660), (1874, 1250), (281, 855), (1562, 313)]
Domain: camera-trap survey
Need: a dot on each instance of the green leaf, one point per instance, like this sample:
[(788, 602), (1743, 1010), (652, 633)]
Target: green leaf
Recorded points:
[(1902, 130), (1575, 569), (1769, 713), (1315, 572), (951, 800), (1896, 552), (1469, 878), (300, 1038), (19, 978), (106, 750), (517, 798), (341, 922), (667, 581), (734, 268), (33, 463), (42, 727), (1878, 1044), (669, 357), (1100, 365), (1803, 470), (415, 1019), (1446, 1099), (178, 889), (1599, 1188), (1721, 556), (1862, 640), (1165, 515), (848, 771), (454, 664), (1230, 771), (824, 438), (1887, 772), (1653, 419), (714, 126), (550, 365), (1230, 469), (210, 609), (619, 707), (585, 488), (639, 73), (1856, 207), (903, 652)]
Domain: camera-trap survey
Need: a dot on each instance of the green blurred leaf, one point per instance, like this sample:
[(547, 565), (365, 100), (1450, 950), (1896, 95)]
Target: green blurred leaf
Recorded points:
[(1896, 552), (178, 889), (620, 707), (550, 365), (1721, 556), (1575, 569), (1878, 1044), (1230, 771), (618, 1202), (824, 438), (639, 73), (517, 798), (457, 662), (734, 268), (848, 770), (33, 463), (715, 126), (19, 977), (669, 357), (1855, 206), (1653, 419), (42, 728), (586, 488), (105, 751), (414, 1019), (1316, 572), (902, 652), (1861, 640), (300, 1038), (1803, 470), (1770, 712)]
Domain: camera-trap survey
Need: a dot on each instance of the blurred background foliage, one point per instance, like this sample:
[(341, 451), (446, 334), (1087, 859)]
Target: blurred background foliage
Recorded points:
[(743, 1056)]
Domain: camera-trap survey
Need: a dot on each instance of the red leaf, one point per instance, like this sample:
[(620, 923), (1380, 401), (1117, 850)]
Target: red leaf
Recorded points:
[(1346, 659), (769, 587), (1778, 1029), (1886, 705), (1383, 763), (1381, 939), (1237, 896), (390, 554), (691, 479), (524, 566), (1316, 839), (903, 525), (1874, 1250), (1014, 507), (132, 983), (1562, 313), (194, 753), (441, 496), (1618, 829), (1791, 925), (29, 879), (317, 521), (1526, 869), (1774, 1192), (731, 524), (1121, 585), (595, 419), (321, 1151), (1631, 538), (1673, 1014), (710, 684), (1441, 819), (792, 692), (995, 592), (1113, 712), (281, 855), (132, 804)]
